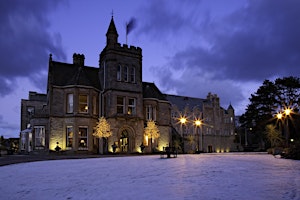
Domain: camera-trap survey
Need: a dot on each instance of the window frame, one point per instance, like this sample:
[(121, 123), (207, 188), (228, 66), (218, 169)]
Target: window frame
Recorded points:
[(70, 103), (131, 108), (150, 112), (132, 74), (68, 146), (126, 78), (83, 138), (119, 106), (85, 104), (119, 73), (39, 137)]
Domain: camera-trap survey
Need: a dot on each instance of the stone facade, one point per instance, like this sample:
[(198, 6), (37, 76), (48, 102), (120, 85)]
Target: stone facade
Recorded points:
[(78, 95), (214, 133)]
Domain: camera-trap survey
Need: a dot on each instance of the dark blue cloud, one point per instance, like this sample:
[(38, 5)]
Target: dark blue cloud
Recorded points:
[(26, 41), (254, 42)]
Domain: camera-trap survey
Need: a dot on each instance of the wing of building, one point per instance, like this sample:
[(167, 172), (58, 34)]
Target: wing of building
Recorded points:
[(78, 95)]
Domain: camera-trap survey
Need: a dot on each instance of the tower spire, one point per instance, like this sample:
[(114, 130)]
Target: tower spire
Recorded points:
[(111, 34)]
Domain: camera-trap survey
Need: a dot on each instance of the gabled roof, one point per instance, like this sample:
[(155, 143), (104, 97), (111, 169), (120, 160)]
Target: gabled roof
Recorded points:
[(182, 101), (151, 91), (64, 74)]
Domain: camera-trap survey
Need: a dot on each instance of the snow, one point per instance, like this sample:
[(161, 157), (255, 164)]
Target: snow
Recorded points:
[(204, 176)]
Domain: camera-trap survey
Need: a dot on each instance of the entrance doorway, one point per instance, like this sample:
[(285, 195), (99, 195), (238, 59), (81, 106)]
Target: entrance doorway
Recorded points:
[(124, 141), (210, 150)]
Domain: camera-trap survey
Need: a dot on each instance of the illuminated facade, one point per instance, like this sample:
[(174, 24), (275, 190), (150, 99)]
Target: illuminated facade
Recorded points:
[(77, 95)]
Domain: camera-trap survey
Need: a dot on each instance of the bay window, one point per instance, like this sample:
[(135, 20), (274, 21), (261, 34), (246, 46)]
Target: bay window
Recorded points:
[(83, 103)]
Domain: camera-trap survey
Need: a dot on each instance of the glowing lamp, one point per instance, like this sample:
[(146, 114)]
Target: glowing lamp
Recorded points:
[(287, 111), (198, 122), (182, 120), (279, 115)]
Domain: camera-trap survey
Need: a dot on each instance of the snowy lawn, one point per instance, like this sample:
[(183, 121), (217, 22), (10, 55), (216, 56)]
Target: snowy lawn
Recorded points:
[(205, 176)]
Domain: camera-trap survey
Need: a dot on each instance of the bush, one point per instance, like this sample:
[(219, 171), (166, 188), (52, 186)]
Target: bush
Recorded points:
[(294, 151)]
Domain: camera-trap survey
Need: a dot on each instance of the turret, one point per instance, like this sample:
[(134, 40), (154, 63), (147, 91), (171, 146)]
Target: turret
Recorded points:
[(112, 34)]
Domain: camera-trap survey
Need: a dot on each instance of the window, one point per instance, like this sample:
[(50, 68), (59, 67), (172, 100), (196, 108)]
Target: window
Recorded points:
[(94, 105), (120, 105), (69, 139), (126, 73), (83, 103), (39, 136), (30, 111), (131, 107), (69, 103), (82, 138), (132, 75), (150, 113), (119, 74), (23, 141)]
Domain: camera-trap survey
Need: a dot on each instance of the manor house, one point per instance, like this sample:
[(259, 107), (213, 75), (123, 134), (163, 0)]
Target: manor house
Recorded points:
[(78, 95)]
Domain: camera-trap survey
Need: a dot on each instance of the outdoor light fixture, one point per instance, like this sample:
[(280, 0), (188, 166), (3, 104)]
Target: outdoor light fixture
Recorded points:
[(287, 111), (279, 115), (198, 122), (182, 120)]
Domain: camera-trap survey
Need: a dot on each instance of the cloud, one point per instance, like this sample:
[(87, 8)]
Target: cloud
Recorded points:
[(253, 42), (164, 19), (26, 41)]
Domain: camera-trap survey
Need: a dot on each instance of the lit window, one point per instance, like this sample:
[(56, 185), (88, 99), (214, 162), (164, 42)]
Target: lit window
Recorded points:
[(126, 73), (120, 105), (131, 107), (39, 136), (82, 138), (132, 75), (69, 139), (119, 72), (83, 103), (69, 103)]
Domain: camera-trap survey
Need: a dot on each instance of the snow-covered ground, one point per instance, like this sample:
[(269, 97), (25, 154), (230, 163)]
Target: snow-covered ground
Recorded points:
[(205, 176)]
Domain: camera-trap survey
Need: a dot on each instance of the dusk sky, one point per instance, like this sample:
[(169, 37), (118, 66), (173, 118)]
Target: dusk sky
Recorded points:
[(190, 47)]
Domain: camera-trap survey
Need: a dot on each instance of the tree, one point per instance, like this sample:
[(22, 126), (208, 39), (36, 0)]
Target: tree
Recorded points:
[(273, 135), (102, 130), (269, 99), (151, 130)]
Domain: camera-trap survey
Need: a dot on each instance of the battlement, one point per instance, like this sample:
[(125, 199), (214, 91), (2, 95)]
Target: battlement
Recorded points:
[(131, 49)]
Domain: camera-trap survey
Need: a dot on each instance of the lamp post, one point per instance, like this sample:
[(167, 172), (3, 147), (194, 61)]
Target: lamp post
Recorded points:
[(182, 121), (285, 117), (287, 113), (198, 124)]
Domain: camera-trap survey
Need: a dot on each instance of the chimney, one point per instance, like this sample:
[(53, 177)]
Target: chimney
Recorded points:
[(78, 59)]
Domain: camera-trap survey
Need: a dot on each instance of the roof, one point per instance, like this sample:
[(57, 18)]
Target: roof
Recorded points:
[(151, 91), (182, 101), (112, 28), (64, 74)]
